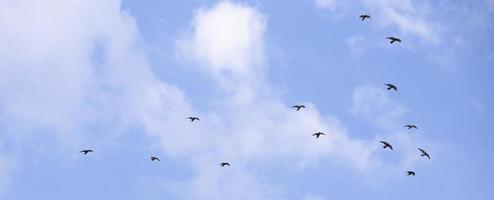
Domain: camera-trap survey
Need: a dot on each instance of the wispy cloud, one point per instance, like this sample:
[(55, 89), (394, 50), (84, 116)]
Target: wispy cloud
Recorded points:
[(372, 103), (93, 81)]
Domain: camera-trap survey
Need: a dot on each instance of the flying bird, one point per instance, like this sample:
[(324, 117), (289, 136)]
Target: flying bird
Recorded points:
[(298, 107), (386, 145), (224, 164), (364, 16), (154, 158), (391, 86), (318, 134), (193, 118), (85, 151), (424, 153), (410, 173), (393, 39), (410, 126)]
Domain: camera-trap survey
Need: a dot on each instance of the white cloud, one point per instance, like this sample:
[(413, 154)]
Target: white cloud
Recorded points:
[(92, 81), (227, 38), (372, 103), (326, 4), (410, 17), (313, 197), (6, 169), (356, 45)]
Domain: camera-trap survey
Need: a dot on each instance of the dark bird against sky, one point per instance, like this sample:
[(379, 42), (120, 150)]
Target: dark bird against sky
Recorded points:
[(363, 17), (410, 126), (410, 173), (192, 119), (298, 107), (154, 158), (393, 39), (224, 164), (424, 153), (318, 134), (386, 145), (391, 86), (85, 151)]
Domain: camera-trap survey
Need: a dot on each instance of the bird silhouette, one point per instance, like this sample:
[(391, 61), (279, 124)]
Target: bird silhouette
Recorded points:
[(318, 134), (410, 173), (364, 16), (192, 119), (386, 145), (154, 158), (410, 126), (224, 164), (391, 86), (298, 107), (85, 151), (424, 153), (393, 39)]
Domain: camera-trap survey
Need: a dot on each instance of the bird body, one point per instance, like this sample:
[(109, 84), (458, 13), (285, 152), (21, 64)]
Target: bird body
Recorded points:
[(410, 126), (298, 107), (424, 153), (410, 173), (85, 151), (391, 87), (318, 134), (153, 158), (192, 119), (363, 17), (393, 39), (224, 164), (386, 145)]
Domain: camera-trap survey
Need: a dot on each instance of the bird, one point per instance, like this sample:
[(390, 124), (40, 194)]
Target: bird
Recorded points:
[(224, 164), (193, 118), (153, 158), (410, 173), (424, 153), (386, 144), (298, 107), (393, 39), (391, 86), (85, 151), (364, 16), (318, 134), (410, 126)]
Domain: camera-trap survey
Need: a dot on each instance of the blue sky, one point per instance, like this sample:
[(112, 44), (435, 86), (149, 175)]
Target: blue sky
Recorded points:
[(120, 77)]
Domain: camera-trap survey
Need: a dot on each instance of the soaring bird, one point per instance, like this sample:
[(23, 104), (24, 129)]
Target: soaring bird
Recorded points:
[(410, 173), (393, 39), (85, 151), (424, 153), (224, 164), (318, 134), (193, 118), (154, 158), (410, 126), (391, 86), (386, 144), (364, 16), (298, 107)]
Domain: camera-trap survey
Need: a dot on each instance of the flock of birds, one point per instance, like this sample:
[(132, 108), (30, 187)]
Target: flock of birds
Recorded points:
[(386, 144)]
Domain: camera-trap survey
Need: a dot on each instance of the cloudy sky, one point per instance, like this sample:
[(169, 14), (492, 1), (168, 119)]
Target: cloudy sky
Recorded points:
[(121, 76)]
